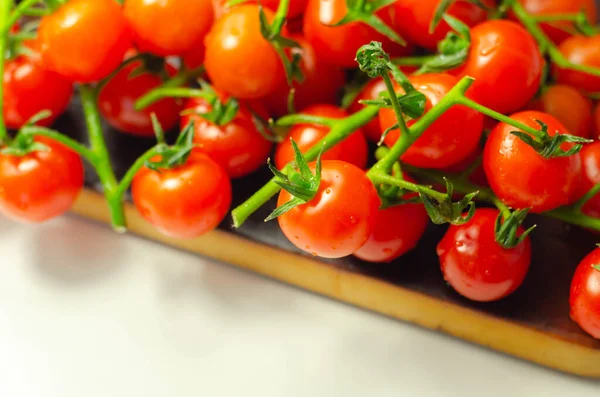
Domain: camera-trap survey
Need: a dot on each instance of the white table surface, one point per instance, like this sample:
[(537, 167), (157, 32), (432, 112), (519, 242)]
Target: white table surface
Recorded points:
[(85, 313)]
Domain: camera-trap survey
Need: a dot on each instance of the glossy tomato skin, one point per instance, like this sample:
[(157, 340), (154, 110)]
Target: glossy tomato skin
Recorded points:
[(70, 44), (413, 17), (520, 176), (371, 90), (40, 185), (568, 106), (171, 27), (556, 31), (352, 150), (476, 266), (321, 84), (584, 299), (590, 160), (450, 139), (186, 201), (580, 50), (29, 87), (117, 98), (596, 121), (506, 63), (238, 59), (341, 216), (337, 45), (237, 146)]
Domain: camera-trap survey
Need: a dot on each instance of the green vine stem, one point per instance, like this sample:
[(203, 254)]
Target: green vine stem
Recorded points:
[(163, 91), (135, 167), (83, 151), (5, 25), (299, 118), (417, 60), (19, 11)]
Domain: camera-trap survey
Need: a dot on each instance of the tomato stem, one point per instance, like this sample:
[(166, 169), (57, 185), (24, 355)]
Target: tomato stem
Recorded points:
[(5, 25), (162, 91), (380, 178), (280, 17), (125, 182), (413, 61), (300, 118), (587, 197), (395, 104), (19, 11), (82, 150)]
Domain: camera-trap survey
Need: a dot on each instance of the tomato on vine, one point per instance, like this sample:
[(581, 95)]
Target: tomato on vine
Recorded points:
[(371, 90), (585, 294), (70, 44), (596, 121), (41, 184), (581, 50), (590, 176), (352, 150), (450, 139), (476, 266)]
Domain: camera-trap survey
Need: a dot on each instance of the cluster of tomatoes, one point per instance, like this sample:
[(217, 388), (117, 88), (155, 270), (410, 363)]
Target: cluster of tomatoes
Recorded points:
[(98, 43)]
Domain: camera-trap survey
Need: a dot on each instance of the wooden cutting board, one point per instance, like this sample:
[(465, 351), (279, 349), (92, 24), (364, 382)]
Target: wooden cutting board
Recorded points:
[(532, 324)]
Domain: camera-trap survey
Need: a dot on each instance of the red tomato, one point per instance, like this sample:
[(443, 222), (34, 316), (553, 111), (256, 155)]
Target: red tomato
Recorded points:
[(352, 150), (477, 176), (580, 50), (186, 201), (413, 17), (195, 58), (338, 45), (450, 139), (238, 59), (568, 106), (84, 40), (29, 87), (476, 266), (557, 31), (237, 146), (590, 159), (117, 98), (341, 216), (520, 176), (585, 294), (321, 84), (397, 231), (506, 63), (596, 117), (372, 90), (171, 27), (41, 184)]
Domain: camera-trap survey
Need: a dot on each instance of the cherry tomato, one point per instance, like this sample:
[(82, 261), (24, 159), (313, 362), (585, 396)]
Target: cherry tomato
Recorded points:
[(477, 175), (580, 50), (558, 31), (398, 229), (237, 146), (117, 98), (413, 17), (186, 201), (585, 294), (337, 45), (476, 266), (29, 88), (450, 139), (506, 63), (238, 59), (84, 40), (171, 27), (195, 58), (352, 150), (321, 84), (596, 121), (341, 216), (41, 184), (520, 176), (590, 159), (568, 106), (372, 90)]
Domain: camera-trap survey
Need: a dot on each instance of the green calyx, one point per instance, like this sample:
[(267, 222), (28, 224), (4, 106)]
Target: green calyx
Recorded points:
[(550, 146), (506, 228), (452, 51), (175, 155), (299, 181), (447, 211), (220, 112), (23, 143)]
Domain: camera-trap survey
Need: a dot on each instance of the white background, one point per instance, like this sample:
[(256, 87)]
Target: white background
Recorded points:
[(85, 313)]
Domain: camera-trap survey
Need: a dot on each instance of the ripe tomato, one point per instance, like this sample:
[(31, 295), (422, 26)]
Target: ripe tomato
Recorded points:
[(568, 106), (590, 159), (237, 145), (171, 27), (585, 294), (341, 216), (520, 176), (352, 150), (41, 184), (195, 58), (558, 31), (398, 229), (84, 40), (29, 88), (476, 266), (321, 84), (506, 63), (338, 45), (238, 59), (413, 17), (117, 98), (372, 90), (477, 175), (580, 50), (186, 201), (596, 121), (450, 139)]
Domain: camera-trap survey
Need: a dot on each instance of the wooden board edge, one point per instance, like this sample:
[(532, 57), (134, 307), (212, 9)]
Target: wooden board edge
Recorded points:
[(368, 293)]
